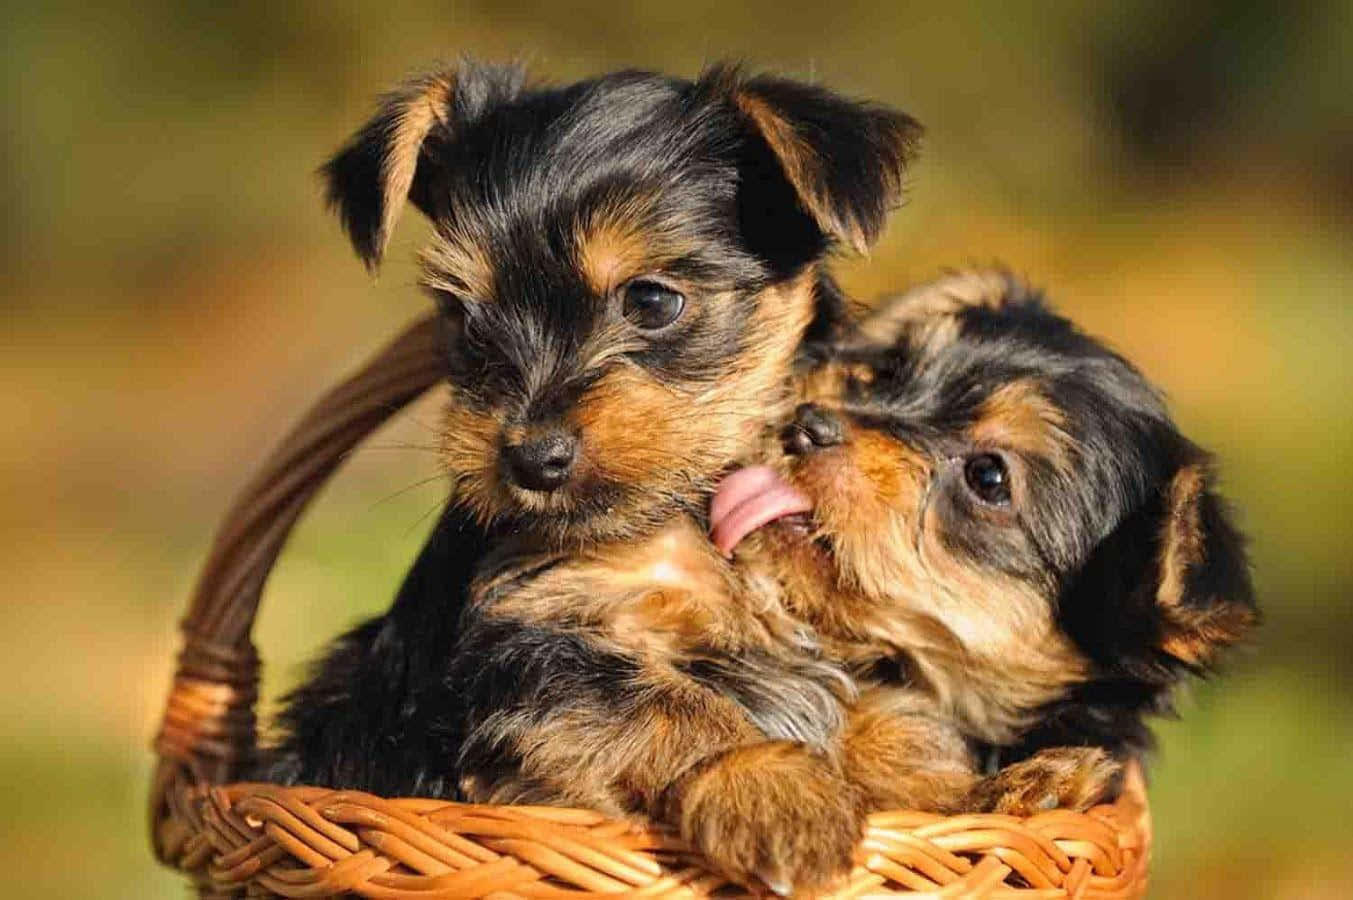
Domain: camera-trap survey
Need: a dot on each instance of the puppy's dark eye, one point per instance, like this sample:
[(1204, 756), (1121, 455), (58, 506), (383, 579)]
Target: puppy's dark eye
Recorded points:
[(649, 305), (988, 478)]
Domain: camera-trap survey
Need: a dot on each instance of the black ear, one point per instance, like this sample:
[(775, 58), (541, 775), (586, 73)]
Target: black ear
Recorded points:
[(1204, 596), (1170, 587), (843, 158), (389, 159)]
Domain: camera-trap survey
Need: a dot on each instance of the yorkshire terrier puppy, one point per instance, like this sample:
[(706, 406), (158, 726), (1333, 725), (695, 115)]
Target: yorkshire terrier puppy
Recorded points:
[(629, 268), (1010, 546)]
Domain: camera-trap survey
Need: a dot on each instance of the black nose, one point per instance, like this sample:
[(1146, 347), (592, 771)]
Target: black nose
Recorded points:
[(813, 428), (542, 462)]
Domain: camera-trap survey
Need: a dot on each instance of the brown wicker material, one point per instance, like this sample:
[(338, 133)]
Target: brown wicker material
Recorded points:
[(259, 840)]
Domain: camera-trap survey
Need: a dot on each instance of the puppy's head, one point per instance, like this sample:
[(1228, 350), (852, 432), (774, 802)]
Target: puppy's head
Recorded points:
[(627, 266), (989, 466)]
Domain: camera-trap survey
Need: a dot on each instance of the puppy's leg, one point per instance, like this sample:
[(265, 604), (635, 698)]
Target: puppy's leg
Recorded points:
[(775, 811), (898, 757), (1061, 777)]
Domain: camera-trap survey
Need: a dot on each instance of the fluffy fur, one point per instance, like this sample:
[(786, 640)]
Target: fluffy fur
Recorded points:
[(651, 679)]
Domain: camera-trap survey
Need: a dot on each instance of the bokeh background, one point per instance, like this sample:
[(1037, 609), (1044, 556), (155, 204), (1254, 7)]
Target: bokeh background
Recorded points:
[(1180, 176)]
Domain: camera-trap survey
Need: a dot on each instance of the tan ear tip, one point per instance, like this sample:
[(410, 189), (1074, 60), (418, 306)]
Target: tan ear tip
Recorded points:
[(853, 234)]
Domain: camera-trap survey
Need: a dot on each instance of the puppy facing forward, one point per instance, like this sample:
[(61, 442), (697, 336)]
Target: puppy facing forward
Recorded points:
[(628, 268), (1011, 545)]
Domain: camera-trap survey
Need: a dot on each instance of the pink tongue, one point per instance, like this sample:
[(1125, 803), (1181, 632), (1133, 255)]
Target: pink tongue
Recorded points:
[(748, 499)]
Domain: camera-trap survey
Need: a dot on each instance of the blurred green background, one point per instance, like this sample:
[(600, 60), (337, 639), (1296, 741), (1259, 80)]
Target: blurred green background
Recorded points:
[(1181, 180)]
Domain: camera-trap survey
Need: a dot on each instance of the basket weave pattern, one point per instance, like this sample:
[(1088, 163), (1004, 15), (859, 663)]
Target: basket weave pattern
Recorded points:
[(260, 840)]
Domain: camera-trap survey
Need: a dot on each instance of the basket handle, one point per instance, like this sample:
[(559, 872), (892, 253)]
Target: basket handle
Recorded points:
[(208, 730)]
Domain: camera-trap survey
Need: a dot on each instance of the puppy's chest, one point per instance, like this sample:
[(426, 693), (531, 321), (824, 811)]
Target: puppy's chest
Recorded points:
[(665, 597), (687, 618)]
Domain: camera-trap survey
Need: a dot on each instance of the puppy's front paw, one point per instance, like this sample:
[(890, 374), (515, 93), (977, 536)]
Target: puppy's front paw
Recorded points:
[(1060, 778), (773, 812)]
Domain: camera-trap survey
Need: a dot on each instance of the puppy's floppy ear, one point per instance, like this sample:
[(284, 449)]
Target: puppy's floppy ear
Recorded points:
[(1204, 596), (1170, 587), (392, 157), (843, 158)]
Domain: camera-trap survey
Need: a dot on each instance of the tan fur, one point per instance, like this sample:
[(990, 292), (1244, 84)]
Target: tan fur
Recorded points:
[(1018, 417), (610, 255), (421, 108), (761, 374), (619, 765), (929, 309), (900, 755), (1074, 778), (681, 433), (1182, 542), (459, 264), (469, 452), (620, 242), (655, 598), (1194, 633), (773, 811), (829, 382), (801, 166), (902, 752), (1197, 639)]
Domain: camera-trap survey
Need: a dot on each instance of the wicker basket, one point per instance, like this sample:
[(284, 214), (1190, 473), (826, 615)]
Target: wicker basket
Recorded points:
[(262, 840)]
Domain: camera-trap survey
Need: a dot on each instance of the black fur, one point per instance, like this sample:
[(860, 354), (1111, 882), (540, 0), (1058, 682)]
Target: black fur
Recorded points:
[(354, 178), (507, 670), (798, 700), (374, 713), (858, 152)]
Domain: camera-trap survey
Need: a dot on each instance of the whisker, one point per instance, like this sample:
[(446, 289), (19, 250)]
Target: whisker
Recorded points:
[(404, 490), (440, 506), (400, 445)]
